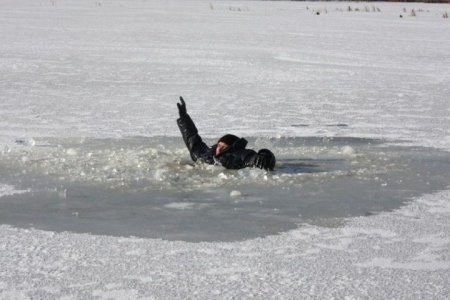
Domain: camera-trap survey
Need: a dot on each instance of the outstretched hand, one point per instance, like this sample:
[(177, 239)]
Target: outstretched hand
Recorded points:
[(265, 160), (182, 108)]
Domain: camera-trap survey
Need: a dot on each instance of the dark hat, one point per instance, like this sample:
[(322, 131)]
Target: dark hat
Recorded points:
[(228, 139)]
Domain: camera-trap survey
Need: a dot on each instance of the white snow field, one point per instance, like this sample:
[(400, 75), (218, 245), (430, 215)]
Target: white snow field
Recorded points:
[(265, 69)]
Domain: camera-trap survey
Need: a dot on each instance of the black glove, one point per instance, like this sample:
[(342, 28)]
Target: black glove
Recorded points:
[(182, 108), (265, 160)]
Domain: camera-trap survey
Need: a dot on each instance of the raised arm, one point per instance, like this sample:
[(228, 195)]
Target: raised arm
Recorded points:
[(197, 148)]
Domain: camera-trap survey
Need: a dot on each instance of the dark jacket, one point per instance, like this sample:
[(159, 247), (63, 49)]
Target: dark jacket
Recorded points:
[(235, 157)]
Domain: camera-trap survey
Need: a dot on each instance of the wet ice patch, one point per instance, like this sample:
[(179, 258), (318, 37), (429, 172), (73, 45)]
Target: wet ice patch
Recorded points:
[(149, 187)]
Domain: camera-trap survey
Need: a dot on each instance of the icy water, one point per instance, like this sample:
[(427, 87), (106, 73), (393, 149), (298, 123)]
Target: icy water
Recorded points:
[(148, 187)]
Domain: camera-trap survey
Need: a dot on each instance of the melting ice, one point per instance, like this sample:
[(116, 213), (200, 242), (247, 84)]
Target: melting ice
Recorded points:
[(149, 186)]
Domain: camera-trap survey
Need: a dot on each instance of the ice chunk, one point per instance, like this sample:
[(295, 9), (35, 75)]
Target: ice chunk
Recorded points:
[(347, 150), (71, 152), (6, 149), (222, 176), (180, 205), (235, 194), (7, 190)]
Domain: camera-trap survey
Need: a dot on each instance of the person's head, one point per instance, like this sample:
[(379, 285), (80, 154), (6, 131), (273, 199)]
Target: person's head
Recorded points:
[(224, 143)]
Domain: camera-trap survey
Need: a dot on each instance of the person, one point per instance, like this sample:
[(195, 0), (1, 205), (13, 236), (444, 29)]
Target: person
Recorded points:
[(229, 151)]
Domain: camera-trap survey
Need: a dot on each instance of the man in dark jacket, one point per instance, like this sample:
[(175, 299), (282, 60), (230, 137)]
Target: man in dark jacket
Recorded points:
[(229, 150)]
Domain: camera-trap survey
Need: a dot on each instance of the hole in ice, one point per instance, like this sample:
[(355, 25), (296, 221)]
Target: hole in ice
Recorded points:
[(148, 187)]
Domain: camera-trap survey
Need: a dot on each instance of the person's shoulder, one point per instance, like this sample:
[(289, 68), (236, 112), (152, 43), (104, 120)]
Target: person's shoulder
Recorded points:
[(240, 144)]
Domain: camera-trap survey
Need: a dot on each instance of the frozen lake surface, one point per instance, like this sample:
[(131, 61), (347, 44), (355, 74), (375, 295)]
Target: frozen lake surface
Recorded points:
[(354, 102), (148, 187)]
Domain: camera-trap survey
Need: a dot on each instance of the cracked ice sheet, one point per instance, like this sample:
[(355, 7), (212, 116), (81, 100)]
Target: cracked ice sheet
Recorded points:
[(45, 66)]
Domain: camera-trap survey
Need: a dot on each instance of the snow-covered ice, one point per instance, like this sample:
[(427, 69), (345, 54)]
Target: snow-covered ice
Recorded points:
[(265, 69)]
